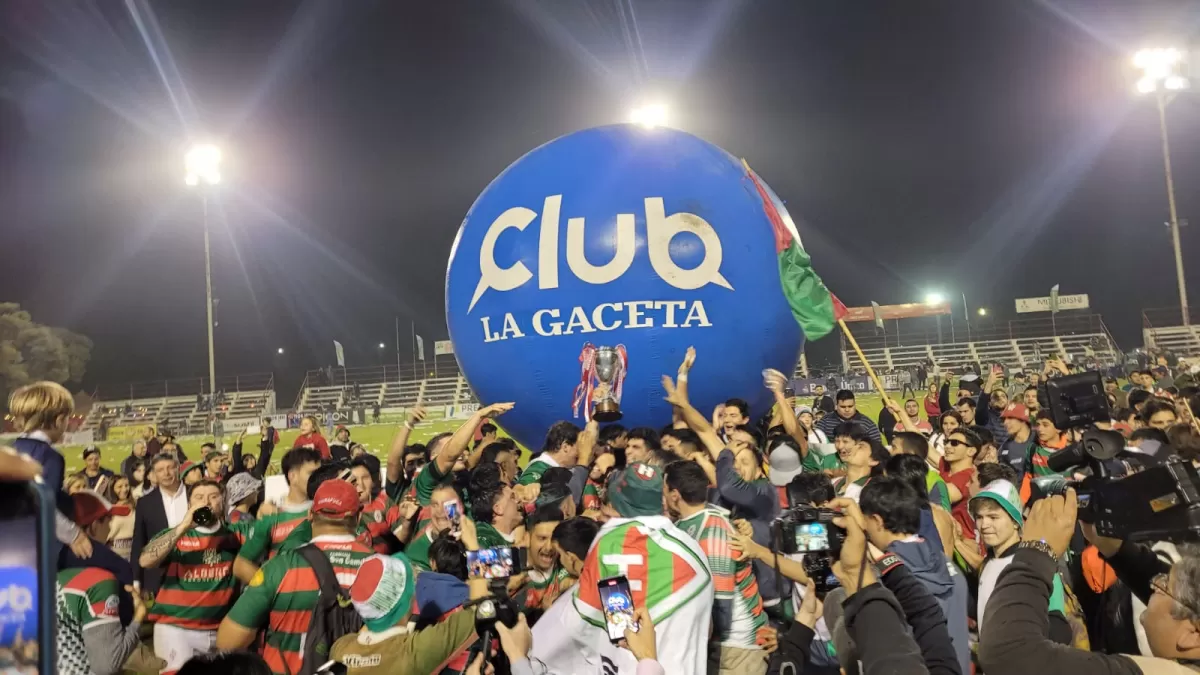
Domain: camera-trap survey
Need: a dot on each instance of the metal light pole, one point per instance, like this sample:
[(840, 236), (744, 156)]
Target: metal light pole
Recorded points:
[(212, 363), (1162, 125), (1164, 74), (203, 164)]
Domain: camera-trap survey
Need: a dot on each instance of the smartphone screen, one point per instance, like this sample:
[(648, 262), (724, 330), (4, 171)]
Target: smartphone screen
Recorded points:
[(490, 563), (617, 603), (454, 513), (812, 537), (26, 582)]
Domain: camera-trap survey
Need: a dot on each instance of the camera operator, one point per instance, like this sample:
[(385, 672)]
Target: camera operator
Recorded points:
[(883, 607), (383, 595), (1015, 640), (891, 510)]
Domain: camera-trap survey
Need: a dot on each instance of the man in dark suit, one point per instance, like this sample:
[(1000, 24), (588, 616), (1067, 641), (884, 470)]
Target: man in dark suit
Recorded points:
[(164, 506)]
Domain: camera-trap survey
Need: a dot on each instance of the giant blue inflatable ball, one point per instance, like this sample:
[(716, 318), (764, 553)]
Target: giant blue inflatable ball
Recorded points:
[(650, 239)]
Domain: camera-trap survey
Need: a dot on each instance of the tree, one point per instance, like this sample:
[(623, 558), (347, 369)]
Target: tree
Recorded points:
[(30, 351)]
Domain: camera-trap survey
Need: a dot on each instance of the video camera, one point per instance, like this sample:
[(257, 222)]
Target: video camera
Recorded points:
[(810, 530), (1158, 501)]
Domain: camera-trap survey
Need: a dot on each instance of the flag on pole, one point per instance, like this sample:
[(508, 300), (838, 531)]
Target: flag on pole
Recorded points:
[(878, 314), (813, 306), (1054, 299), (420, 348), (341, 356)]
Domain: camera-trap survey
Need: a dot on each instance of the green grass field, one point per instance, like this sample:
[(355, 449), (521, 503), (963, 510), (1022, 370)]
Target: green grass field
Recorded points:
[(376, 437)]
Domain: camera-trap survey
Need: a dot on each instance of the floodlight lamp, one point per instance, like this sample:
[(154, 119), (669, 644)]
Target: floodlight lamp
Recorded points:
[(649, 116), (202, 164)]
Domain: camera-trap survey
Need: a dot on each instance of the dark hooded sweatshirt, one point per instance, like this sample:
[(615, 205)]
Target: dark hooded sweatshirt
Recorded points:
[(927, 563)]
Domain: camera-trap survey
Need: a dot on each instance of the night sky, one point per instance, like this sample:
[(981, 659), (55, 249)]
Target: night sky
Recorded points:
[(986, 148)]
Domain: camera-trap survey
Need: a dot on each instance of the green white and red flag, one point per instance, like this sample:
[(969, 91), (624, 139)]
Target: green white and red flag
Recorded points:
[(814, 307)]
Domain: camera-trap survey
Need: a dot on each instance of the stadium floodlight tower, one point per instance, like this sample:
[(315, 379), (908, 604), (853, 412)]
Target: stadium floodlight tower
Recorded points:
[(202, 164), (1164, 73), (933, 299)]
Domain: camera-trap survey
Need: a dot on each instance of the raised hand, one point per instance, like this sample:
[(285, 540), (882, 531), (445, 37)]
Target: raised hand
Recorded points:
[(416, 415), (1052, 520), (674, 396), (774, 380), (496, 409), (689, 358)]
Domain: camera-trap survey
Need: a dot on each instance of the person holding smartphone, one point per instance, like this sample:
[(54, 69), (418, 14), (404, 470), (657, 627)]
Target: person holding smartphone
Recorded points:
[(201, 575)]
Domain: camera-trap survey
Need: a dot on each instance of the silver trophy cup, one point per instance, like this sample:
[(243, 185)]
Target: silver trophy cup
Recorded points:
[(608, 409)]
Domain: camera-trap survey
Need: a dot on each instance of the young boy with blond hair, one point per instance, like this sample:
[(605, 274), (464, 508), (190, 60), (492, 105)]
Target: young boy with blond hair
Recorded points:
[(40, 412)]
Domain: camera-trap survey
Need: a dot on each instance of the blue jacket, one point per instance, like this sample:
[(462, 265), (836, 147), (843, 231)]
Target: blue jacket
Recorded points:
[(758, 503), (53, 468), (437, 594), (928, 564)]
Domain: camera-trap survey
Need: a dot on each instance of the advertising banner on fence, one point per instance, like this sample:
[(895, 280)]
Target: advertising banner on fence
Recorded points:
[(80, 437), (124, 433), (461, 412), (1044, 304), (855, 383), (910, 310)]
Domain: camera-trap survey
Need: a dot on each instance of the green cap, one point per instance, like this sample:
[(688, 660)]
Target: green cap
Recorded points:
[(636, 491), (1006, 495)]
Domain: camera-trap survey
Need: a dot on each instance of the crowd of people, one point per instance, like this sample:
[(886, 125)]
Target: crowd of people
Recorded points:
[(931, 539)]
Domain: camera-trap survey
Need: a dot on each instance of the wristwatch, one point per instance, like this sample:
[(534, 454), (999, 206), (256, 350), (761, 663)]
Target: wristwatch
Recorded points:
[(1039, 545)]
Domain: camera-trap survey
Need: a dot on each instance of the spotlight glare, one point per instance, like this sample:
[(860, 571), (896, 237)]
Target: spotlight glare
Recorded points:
[(1164, 68), (649, 116), (202, 164)]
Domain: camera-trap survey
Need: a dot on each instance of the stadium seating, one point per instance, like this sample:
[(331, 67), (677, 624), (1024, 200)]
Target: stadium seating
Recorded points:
[(1183, 340), (1012, 353), (181, 414)]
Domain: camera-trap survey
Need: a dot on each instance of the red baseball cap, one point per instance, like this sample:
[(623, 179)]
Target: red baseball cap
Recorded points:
[(90, 506), (336, 498), (1016, 411)]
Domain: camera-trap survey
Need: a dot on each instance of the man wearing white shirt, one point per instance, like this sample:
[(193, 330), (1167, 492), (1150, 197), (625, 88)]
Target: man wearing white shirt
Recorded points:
[(163, 507)]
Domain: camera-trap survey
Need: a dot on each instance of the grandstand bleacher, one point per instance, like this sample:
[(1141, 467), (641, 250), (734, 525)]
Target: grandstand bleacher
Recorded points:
[(1015, 344), (386, 386), (1163, 328), (178, 404)]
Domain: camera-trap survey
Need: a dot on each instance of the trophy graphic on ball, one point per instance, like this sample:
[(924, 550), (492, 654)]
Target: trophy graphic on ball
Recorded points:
[(602, 372)]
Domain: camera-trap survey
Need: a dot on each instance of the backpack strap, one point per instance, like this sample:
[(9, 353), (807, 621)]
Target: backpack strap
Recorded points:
[(326, 577)]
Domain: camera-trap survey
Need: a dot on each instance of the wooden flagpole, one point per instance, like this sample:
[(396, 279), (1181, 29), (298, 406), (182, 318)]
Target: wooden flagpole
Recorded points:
[(863, 358)]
